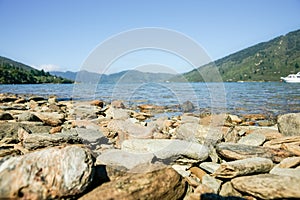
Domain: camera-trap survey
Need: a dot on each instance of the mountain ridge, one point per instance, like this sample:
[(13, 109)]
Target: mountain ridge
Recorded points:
[(265, 61)]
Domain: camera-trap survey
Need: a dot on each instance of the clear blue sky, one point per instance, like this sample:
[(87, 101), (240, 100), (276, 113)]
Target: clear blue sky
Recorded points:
[(60, 34)]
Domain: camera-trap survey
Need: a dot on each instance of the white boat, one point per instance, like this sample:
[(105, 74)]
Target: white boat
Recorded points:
[(292, 78)]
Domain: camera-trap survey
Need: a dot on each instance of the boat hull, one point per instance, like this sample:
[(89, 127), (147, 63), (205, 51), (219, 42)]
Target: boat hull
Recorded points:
[(290, 80)]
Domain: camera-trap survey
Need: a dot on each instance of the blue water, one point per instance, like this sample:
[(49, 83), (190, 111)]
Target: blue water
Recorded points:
[(239, 98)]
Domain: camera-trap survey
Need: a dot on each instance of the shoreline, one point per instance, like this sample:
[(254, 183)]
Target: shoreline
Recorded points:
[(121, 150)]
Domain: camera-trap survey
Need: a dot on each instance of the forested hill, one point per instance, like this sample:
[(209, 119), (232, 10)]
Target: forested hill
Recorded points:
[(12, 72), (267, 61)]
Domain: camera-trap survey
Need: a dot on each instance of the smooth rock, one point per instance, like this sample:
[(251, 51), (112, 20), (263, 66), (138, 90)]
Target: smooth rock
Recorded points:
[(198, 172), (28, 116), (187, 106), (161, 184), (234, 151), (210, 167), (234, 119), (289, 162), (42, 140), (97, 103), (52, 100), (56, 129), (268, 186), (254, 139), (243, 167), (286, 172), (212, 182), (228, 190), (289, 124), (118, 114), (47, 174), (117, 104), (182, 170), (90, 135), (199, 133), (51, 119), (166, 149), (120, 159), (277, 143), (6, 116), (189, 119)]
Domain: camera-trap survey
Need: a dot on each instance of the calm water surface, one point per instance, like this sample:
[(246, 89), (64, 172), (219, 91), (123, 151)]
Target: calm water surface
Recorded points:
[(239, 98)]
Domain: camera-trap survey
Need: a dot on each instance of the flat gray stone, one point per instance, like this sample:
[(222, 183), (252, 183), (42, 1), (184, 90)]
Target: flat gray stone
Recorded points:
[(167, 149), (209, 166), (254, 139)]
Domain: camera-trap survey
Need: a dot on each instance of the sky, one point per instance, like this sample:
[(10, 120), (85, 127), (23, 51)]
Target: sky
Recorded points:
[(62, 34)]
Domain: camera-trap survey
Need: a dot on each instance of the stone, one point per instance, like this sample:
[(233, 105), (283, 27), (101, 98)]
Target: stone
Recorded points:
[(47, 174), (54, 130), (198, 172), (167, 150), (51, 119), (90, 136), (243, 167), (228, 190), (160, 184), (182, 170), (118, 104), (121, 159), (36, 98), (8, 99), (233, 151), (42, 140), (289, 162), (130, 129), (277, 143), (266, 123), (28, 116), (268, 186), (270, 134), (199, 133), (254, 139), (201, 189), (254, 117), (97, 103), (234, 119), (289, 124), (6, 116), (118, 114), (286, 172), (189, 119), (212, 182), (210, 167), (52, 100), (187, 106)]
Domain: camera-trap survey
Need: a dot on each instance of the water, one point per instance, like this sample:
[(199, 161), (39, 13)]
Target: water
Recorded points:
[(238, 98)]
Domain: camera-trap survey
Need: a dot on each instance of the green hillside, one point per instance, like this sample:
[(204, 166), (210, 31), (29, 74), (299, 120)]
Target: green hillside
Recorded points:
[(267, 61), (12, 72)]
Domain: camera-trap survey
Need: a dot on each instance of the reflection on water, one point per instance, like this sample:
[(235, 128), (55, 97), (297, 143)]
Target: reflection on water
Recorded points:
[(273, 97)]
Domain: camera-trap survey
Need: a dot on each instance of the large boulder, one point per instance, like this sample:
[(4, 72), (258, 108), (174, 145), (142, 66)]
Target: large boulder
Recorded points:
[(46, 174), (160, 184), (289, 124)]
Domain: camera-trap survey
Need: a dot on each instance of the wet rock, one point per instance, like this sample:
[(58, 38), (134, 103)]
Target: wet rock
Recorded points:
[(120, 159), (243, 167), (289, 124), (168, 150), (118, 104), (254, 139), (28, 116), (234, 151), (6, 116), (277, 186), (47, 174), (187, 106), (42, 140), (161, 184)]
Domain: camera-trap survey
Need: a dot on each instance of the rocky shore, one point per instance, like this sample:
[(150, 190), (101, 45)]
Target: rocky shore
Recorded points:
[(53, 149)]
